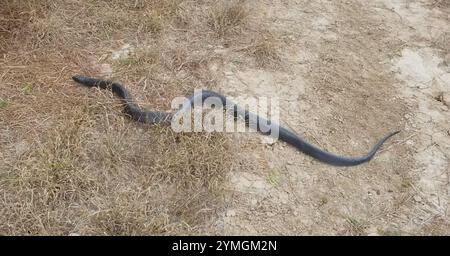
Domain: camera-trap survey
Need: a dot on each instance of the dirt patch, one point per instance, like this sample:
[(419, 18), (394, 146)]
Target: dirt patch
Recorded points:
[(341, 88)]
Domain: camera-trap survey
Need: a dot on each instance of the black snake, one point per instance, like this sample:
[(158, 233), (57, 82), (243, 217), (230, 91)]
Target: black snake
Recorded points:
[(262, 125)]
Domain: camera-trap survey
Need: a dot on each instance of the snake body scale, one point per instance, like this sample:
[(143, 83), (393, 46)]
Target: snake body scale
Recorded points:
[(262, 125)]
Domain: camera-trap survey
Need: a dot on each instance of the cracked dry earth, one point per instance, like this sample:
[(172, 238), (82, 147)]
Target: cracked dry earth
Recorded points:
[(351, 72)]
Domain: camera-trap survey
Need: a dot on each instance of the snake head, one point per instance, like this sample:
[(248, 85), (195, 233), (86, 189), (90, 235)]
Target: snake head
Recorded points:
[(87, 81), (81, 79)]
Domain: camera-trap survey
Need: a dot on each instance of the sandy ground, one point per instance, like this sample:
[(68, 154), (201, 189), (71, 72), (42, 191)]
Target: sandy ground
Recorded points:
[(352, 71)]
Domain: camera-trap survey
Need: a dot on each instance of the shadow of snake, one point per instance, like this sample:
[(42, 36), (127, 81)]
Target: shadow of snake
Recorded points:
[(252, 120)]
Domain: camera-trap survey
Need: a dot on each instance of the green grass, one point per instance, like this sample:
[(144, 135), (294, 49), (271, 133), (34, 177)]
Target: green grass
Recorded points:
[(274, 178), (27, 88), (3, 103)]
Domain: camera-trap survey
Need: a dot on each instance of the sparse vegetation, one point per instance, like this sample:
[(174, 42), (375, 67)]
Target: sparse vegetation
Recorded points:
[(265, 50), (273, 178), (227, 15), (355, 227), (3, 103), (74, 163), (27, 88), (442, 42), (388, 232)]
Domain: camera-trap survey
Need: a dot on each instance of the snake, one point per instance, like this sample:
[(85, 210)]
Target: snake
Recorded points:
[(261, 124)]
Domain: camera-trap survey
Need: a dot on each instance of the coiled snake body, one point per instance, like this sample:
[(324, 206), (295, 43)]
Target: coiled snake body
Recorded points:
[(262, 125)]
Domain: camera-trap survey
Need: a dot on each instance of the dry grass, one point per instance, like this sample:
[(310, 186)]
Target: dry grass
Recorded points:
[(225, 17), (437, 226), (441, 4), (265, 51), (70, 162), (442, 42)]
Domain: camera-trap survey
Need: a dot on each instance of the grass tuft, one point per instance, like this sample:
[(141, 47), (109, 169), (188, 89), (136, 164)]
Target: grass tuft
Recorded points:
[(265, 51), (3, 103), (228, 15)]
